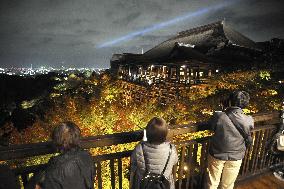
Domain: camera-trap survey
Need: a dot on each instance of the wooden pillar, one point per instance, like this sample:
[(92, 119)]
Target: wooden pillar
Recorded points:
[(129, 70), (125, 71), (198, 75), (136, 72), (192, 73), (178, 73), (164, 71), (145, 70), (140, 71), (183, 69), (187, 74), (144, 73), (198, 71), (120, 71), (170, 72), (209, 73)]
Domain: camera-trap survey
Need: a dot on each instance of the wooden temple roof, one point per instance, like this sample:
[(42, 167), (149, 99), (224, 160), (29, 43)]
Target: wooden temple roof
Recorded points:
[(194, 44), (203, 38)]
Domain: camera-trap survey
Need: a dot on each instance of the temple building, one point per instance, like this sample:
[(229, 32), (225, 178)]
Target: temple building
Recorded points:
[(190, 57)]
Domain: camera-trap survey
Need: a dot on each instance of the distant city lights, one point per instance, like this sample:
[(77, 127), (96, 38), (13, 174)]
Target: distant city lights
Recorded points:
[(45, 70)]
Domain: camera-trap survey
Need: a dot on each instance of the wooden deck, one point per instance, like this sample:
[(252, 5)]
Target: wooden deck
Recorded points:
[(265, 181)]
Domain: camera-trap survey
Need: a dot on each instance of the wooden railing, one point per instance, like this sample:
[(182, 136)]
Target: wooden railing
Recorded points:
[(192, 154)]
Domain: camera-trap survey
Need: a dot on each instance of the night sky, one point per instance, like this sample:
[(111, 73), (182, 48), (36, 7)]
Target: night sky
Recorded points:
[(72, 32)]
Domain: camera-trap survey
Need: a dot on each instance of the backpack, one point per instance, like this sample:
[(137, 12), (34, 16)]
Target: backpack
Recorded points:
[(153, 180)]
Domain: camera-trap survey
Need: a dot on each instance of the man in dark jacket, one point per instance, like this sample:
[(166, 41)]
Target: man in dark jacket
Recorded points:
[(8, 178), (227, 145), (279, 173), (73, 168)]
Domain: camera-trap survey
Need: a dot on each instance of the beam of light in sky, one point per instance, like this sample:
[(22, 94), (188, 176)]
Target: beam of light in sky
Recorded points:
[(165, 24)]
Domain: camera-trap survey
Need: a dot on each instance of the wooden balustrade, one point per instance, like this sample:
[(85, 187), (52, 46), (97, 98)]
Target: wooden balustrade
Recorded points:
[(165, 92), (188, 173)]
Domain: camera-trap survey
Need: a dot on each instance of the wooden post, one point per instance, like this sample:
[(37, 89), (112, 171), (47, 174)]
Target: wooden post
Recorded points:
[(128, 73), (198, 73), (136, 70), (187, 75), (170, 73), (164, 72), (209, 73), (178, 74)]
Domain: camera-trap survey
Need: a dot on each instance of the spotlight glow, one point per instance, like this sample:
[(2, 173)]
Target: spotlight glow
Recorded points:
[(165, 24)]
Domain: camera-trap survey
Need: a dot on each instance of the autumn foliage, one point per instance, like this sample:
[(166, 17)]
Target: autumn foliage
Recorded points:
[(99, 105), (104, 105)]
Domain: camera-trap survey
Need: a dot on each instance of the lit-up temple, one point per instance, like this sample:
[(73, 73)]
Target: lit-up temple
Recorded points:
[(190, 57)]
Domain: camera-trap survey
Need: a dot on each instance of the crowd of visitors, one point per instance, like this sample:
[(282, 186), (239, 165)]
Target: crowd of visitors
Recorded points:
[(152, 160)]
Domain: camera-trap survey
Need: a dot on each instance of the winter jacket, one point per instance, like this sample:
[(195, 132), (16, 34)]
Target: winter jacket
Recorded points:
[(227, 143), (156, 157), (271, 145), (70, 170), (8, 178)]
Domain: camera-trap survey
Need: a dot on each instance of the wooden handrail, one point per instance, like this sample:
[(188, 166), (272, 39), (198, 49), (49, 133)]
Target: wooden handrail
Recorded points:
[(192, 154), (43, 148)]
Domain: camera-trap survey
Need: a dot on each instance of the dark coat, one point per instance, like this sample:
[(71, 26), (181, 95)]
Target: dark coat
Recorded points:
[(227, 143), (271, 146), (157, 156), (8, 179), (71, 170)]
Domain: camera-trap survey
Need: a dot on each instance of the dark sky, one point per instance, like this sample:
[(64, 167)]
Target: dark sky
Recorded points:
[(68, 32)]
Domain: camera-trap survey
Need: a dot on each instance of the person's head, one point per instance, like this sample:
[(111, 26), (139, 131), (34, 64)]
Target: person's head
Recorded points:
[(239, 99), (66, 136), (157, 130)]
